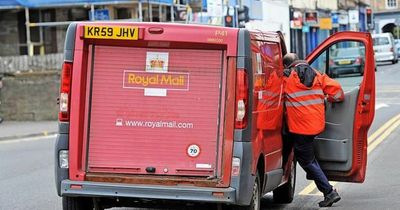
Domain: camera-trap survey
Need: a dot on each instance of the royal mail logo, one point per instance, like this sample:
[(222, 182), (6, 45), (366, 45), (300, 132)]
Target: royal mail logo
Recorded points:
[(157, 63), (167, 80)]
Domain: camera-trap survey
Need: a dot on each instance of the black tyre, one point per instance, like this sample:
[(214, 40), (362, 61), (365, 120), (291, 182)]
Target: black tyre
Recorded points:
[(255, 198), (285, 193), (77, 203), (394, 61)]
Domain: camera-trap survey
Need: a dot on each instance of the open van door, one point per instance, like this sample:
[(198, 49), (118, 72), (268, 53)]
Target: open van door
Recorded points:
[(341, 149)]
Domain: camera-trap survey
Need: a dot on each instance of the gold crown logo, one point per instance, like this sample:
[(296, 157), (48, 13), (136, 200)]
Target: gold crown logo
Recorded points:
[(157, 63)]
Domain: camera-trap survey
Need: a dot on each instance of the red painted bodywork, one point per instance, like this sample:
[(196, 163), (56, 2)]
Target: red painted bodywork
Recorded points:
[(267, 108), (149, 133), (213, 39), (96, 145), (365, 105)]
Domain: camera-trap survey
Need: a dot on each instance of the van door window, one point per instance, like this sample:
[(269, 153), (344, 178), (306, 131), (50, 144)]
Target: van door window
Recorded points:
[(270, 95), (272, 66), (343, 61)]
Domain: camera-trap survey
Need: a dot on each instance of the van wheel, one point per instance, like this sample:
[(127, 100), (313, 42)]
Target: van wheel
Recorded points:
[(255, 198), (77, 203), (285, 193)]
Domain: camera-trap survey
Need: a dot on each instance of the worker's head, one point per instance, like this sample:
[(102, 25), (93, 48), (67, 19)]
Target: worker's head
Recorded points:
[(289, 58)]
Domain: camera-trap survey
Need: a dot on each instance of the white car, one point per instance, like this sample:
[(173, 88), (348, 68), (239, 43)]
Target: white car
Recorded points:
[(385, 48), (397, 41)]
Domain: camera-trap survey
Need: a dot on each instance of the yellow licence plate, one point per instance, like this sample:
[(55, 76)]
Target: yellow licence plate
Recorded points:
[(344, 62), (111, 32)]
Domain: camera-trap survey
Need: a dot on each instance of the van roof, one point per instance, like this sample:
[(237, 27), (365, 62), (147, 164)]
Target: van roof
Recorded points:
[(185, 33), (162, 24)]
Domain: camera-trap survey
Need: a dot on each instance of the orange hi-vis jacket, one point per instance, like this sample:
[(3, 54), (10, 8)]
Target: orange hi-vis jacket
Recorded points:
[(305, 106)]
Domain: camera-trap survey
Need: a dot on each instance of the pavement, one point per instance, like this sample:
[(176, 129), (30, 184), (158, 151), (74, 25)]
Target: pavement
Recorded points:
[(23, 129)]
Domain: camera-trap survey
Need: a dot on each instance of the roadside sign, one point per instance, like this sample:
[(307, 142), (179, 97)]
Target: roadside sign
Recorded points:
[(306, 29), (343, 19), (297, 21), (335, 18), (214, 8), (100, 14), (353, 16), (311, 18), (325, 23)]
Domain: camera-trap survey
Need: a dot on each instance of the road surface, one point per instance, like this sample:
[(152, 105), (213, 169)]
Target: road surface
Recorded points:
[(27, 176)]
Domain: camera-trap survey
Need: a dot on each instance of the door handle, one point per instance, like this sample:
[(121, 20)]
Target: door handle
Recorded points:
[(364, 106)]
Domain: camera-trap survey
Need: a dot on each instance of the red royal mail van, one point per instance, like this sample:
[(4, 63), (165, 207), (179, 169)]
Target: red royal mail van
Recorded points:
[(170, 112)]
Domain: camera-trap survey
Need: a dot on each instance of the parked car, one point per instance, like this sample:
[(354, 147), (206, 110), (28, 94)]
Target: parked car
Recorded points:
[(347, 61), (384, 47), (397, 41)]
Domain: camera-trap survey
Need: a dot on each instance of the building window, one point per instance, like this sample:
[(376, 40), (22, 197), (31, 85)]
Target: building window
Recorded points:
[(391, 4)]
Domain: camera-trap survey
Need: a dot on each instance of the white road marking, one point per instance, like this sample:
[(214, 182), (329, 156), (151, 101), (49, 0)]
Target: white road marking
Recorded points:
[(380, 105), (28, 139)]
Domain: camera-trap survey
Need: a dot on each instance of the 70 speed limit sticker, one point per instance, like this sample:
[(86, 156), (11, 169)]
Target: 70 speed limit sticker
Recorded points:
[(193, 150)]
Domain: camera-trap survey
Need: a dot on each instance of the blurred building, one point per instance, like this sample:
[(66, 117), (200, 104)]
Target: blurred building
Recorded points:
[(269, 15), (387, 16), (312, 21), (38, 26)]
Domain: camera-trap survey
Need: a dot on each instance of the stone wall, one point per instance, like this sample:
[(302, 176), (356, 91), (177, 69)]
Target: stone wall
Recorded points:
[(9, 40), (9, 64), (30, 87), (30, 96)]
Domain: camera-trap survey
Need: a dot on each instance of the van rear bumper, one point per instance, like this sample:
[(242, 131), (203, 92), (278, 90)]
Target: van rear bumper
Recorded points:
[(184, 193)]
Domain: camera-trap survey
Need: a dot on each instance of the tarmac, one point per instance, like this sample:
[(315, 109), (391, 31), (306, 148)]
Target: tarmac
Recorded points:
[(10, 130)]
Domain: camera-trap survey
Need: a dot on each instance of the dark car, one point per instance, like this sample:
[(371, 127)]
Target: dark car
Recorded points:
[(347, 61)]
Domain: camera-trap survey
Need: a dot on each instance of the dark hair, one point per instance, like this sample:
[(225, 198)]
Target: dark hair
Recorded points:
[(289, 58)]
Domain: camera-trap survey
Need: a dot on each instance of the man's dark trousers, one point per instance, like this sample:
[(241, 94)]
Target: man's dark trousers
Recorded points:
[(304, 152)]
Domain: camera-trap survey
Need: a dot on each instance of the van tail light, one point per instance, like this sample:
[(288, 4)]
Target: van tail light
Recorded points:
[(65, 91), (358, 60), (331, 63), (241, 99), (235, 166)]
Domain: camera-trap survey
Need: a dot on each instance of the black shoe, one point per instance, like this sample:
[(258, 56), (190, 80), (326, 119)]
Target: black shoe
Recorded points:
[(1, 120), (330, 199)]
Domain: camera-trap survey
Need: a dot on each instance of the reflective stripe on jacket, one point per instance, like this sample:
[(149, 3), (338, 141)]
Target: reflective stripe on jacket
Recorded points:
[(305, 106)]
